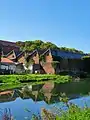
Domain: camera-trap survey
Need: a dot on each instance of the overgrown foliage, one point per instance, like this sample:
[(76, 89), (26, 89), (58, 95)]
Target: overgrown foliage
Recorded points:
[(6, 114), (42, 58), (55, 64), (0, 52), (86, 57), (33, 78), (38, 44), (28, 63), (75, 113)]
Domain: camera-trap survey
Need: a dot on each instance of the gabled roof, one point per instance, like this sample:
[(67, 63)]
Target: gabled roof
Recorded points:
[(7, 43), (20, 54), (10, 53), (59, 53), (64, 54), (31, 53), (16, 53), (8, 46), (40, 52)]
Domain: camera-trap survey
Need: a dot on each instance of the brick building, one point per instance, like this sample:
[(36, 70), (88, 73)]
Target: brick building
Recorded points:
[(13, 55), (47, 61), (7, 46), (7, 66), (64, 60)]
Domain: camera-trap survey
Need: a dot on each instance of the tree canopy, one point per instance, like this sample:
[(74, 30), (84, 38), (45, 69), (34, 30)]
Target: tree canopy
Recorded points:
[(39, 44)]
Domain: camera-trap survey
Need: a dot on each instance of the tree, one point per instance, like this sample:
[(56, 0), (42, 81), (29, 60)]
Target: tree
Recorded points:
[(0, 52), (20, 44), (0, 55), (39, 44), (71, 50), (48, 45)]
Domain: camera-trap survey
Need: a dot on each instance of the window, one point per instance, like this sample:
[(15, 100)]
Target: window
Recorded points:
[(13, 56)]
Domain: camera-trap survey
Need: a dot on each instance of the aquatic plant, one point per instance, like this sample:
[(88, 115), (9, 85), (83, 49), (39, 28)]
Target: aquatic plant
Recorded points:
[(6, 114), (73, 112), (34, 116)]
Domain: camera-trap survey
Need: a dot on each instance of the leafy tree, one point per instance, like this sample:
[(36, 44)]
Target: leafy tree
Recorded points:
[(20, 44), (71, 50), (48, 45), (38, 44), (0, 52)]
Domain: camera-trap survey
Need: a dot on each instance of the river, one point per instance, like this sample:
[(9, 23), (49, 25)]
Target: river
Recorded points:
[(29, 99)]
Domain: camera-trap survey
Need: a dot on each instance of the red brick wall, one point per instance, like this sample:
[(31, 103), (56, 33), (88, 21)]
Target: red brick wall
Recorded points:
[(48, 68), (48, 57), (11, 56), (21, 59), (36, 58)]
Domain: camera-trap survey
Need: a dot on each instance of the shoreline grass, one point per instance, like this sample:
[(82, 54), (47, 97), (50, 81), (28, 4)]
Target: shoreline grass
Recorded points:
[(34, 78)]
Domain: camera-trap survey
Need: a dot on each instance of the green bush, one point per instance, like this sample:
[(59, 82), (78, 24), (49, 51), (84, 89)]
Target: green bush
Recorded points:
[(75, 113), (33, 78)]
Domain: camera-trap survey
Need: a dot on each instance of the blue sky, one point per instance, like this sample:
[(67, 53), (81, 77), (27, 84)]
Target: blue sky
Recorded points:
[(63, 22)]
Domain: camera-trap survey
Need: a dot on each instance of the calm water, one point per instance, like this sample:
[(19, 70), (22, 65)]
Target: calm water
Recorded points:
[(35, 97)]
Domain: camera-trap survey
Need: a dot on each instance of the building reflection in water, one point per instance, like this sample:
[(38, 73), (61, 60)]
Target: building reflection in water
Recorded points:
[(49, 92)]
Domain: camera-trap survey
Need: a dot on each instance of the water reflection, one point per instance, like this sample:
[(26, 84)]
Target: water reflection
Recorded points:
[(49, 92), (35, 97)]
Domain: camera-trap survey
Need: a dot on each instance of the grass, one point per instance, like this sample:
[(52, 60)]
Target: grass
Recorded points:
[(10, 86), (33, 78)]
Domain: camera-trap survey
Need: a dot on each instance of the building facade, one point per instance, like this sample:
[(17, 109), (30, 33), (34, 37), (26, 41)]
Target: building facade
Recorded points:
[(7, 66), (56, 61)]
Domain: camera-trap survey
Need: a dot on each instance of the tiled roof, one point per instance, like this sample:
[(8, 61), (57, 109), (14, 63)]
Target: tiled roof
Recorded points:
[(40, 52), (66, 54), (8, 46), (17, 53), (6, 60), (8, 43)]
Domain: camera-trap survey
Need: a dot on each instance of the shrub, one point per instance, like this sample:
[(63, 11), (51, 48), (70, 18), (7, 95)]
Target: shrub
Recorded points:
[(33, 78)]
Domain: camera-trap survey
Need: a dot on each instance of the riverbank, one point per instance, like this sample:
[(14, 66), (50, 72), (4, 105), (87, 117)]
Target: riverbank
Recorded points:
[(73, 113), (28, 94), (14, 79)]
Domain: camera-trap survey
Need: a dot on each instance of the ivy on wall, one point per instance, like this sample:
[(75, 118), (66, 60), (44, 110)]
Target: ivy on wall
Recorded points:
[(54, 64), (28, 63), (42, 58)]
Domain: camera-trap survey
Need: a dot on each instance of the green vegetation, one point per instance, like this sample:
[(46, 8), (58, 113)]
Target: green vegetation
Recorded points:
[(38, 44), (10, 86), (75, 113), (28, 63), (42, 58), (14, 79), (55, 64)]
